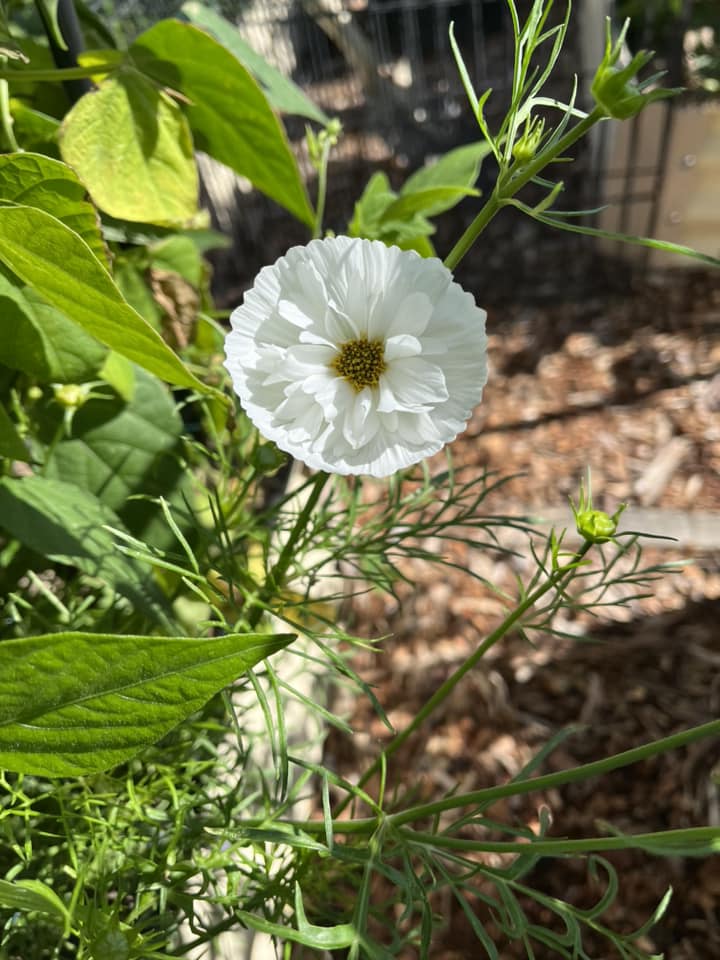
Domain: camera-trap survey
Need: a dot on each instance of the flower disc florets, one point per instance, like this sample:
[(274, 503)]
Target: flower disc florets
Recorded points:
[(357, 358)]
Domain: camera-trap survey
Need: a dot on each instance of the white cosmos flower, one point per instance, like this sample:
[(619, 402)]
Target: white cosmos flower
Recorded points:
[(357, 358)]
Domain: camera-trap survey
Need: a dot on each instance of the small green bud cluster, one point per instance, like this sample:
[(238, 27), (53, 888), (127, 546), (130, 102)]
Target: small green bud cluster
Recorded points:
[(319, 144), (616, 89)]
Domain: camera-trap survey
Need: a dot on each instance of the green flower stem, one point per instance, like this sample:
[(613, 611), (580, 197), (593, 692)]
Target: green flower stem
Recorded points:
[(552, 780), (53, 76), (7, 134), (322, 188), (680, 841), (446, 688), (508, 185), (276, 576), (512, 789)]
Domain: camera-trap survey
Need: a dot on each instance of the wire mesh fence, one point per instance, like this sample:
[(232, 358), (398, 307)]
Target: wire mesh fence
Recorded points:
[(385, 69)]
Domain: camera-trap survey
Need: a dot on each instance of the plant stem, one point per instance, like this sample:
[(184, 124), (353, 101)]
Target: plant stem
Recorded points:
[(446, 688), (276, 576), (322, 188), (509, 184), (52, 75), (7, 134), (663, 840), (552, 780)]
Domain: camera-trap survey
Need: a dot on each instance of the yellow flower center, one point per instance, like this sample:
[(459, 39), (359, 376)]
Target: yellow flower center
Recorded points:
[(361, 362)]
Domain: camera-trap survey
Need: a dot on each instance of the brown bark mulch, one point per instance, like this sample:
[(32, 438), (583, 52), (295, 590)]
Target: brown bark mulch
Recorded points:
[(628, 384)]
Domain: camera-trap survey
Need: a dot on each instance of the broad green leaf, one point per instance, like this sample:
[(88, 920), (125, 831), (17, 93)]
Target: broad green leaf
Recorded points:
[(32, 896), (130, 276), (179, 254), (39, 340), (11, 445), (105, 60), (428, 202), (120, 374), (131, 146), (422, 245), (66, 524), (458, 168), (64, 271), (73, 704), (228, 112), (34, 131), (32, 180), (282, 93), (120, 449), (373, 202), (381, 215)]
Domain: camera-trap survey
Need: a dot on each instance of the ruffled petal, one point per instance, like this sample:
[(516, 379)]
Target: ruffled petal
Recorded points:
[(294, 323)]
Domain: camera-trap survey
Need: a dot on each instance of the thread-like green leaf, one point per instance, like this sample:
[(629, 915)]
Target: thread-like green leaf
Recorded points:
[(76, 703)]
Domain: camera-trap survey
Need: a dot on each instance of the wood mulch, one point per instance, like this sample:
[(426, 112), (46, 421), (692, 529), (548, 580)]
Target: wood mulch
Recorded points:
[(628, 384)]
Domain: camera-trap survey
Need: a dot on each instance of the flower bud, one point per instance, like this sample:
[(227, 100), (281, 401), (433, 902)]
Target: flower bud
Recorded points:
[(525, 147), (616, 89), (70, 395), (596, 526)]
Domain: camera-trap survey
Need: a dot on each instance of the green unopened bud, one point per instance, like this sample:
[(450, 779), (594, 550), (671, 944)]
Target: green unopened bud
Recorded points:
[(596, 526), (616, 89), (70, 395), (526, 146)]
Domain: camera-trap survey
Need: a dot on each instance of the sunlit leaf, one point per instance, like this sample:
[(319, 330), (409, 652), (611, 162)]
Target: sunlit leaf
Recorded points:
[(131, 146), (282, 93), (32, 895), (50, 185), (74, 703), (61, 267), (229, 115), (457, 168)]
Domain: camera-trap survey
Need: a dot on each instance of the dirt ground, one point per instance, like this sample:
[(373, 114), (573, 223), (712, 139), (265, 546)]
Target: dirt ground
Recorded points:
[(628, 384)]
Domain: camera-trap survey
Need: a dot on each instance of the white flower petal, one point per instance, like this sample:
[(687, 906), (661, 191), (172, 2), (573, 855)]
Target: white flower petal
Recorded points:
[(366, 417), (416, 384)]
